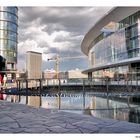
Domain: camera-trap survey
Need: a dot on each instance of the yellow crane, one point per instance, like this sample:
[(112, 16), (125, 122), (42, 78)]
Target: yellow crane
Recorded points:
[(57, 60)]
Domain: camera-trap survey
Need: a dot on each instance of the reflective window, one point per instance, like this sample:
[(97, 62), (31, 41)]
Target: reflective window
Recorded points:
[(120, 45), (7, 44), (10, 56), (6, 34), (8, 16), (10, 9), (128, 21), (8, 26), (12, 45)]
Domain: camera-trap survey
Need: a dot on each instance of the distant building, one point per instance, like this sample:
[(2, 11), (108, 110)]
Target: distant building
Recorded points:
[(76, 74), (49, 74), (63, 75), (8, 41), (34, 65)]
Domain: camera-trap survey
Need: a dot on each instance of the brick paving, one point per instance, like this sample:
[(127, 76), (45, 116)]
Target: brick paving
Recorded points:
[(19, 118)]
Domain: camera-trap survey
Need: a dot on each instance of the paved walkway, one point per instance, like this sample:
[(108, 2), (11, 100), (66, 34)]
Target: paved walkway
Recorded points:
[(19, 118)]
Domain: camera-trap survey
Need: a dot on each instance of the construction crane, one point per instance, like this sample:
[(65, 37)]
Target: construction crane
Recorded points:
[(57, 60)]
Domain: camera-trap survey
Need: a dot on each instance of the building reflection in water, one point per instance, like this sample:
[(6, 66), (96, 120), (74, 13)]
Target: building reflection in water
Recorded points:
[(58, 102), (108, 108), (134, 115), (100, 107)]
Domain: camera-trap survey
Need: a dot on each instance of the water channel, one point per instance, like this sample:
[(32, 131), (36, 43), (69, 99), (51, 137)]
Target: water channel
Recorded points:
[(119, 108)]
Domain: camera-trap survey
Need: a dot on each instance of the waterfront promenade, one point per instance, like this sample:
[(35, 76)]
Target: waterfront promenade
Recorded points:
[(19, 118)]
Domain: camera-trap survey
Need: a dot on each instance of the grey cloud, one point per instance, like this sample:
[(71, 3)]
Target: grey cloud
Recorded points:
[(43, 44), (53, 50), (21, 56), (74, 20), (51, 27), (61, 39)]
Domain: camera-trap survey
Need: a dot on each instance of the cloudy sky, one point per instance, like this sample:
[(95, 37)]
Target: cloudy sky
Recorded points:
[(56, 30)]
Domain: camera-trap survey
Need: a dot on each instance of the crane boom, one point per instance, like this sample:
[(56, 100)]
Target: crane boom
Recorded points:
[(57, 59), (73, 57)]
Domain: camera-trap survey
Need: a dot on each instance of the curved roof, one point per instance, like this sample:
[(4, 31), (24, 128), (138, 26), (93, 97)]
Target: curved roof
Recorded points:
[(115, 15)]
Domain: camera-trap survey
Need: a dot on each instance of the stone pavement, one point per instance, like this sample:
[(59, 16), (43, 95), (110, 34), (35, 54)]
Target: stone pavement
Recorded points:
[(19, 118)]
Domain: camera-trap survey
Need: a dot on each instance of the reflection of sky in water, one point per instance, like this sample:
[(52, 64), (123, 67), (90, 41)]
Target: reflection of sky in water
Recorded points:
[(8, 98), (49, 102), (23, 100), (76, 102)]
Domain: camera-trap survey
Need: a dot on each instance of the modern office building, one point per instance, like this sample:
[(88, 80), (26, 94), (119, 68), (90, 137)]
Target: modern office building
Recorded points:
[(113, 44), (34, 65), (8, 40)]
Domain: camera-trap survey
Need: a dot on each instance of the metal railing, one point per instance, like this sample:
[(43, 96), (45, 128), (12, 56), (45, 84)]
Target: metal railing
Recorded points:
[(40, 86)]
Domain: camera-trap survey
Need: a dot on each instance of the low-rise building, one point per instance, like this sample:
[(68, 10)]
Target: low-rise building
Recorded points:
[(76, 74)]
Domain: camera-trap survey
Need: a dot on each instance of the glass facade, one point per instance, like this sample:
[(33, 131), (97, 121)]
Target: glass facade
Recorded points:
[(121, 45), (8, 33), (130, 20)]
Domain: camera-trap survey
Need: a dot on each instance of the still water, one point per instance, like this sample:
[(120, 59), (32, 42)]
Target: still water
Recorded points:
[(102, 107)]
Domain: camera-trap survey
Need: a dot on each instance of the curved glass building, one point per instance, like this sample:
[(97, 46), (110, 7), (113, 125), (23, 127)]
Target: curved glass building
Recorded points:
[(113, 44), (8, 38)]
